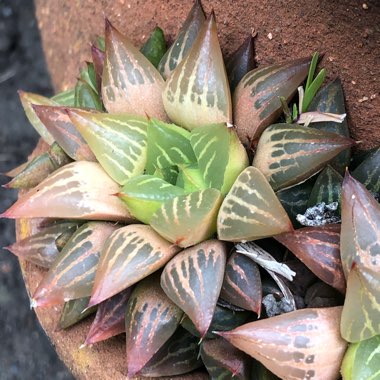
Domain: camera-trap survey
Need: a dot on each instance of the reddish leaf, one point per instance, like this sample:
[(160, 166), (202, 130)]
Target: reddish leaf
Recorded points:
[(110, 318), (318, 249)]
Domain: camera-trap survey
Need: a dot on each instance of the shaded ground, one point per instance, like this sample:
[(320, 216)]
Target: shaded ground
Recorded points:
[(25, 352)]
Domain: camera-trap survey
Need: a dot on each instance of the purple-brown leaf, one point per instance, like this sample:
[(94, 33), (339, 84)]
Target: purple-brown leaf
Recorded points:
[(193, 279), (129, 255), (242, 283), (110, 318), (318, 249), (150, 320), (72, 274)]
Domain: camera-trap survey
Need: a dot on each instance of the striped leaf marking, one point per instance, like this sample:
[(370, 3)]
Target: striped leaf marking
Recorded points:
[(58, 123), (361, 360), (80, 190), (150, 320), (327, 188), (75, 311), (65, 98), (224, 319), (197, 92), (129, 255), (169, 174), (188, 219), (318, 248), (29, 99), (72, 274), (119, 142), (193, 279), (185, 39), (251, 210), (144, 195), (110, 318), (294, 345), (288, 154), (39, 167), (179, 355), (360, 251), (224, 361), (242, 283), (168, 145), (330, 99), (190, 178), (368, 172), (41, 248), (221, 157), (256, 101), (295, 199), (130, 83)]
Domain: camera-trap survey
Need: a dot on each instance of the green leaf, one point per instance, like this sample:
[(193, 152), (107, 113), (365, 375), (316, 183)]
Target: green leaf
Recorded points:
[(294, 345), (110, 318), (197, 92), (288, 154), (240, 62), (312, 90), (221, 157), (72, 274), (251, 210), (193, 279), (168, 145), (155, 46), (327, 188), (65, 98), (312, 68), (130, 254), (242, 283), (150, 320), (257, 97), (58, 123), (41, 248), (145, 194), (29, 99), (368, 172), (318, 249), (184, 41), (331, 99), (86, 97), (179, 355), (360, 252), (130, 83), (361, 360), (188, 219), (224, 361), (88, 75), (80, 190), (75, 311), (119, 142), (190, 179)]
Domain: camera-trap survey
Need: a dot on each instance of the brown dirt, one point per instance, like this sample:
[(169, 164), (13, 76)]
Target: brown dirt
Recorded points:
[(345, 31)]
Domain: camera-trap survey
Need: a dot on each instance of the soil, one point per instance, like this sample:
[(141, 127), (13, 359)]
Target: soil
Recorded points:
[(347, 32)]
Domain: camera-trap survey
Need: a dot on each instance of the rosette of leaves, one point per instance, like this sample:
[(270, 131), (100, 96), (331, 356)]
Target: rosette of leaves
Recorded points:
[(155, 213)]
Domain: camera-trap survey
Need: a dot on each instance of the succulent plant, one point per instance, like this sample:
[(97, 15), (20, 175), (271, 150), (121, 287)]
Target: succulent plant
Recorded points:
[(171, 197)]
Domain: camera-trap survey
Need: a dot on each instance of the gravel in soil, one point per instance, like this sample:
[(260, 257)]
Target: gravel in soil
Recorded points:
[(26, 352)]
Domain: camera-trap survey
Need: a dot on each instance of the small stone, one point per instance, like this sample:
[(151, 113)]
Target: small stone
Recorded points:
[(365, 6), (363, 99), (270, 36), (353, 82)]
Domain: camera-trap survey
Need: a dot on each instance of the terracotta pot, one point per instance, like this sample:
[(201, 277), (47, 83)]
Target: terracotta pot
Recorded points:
[(345, 31)]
